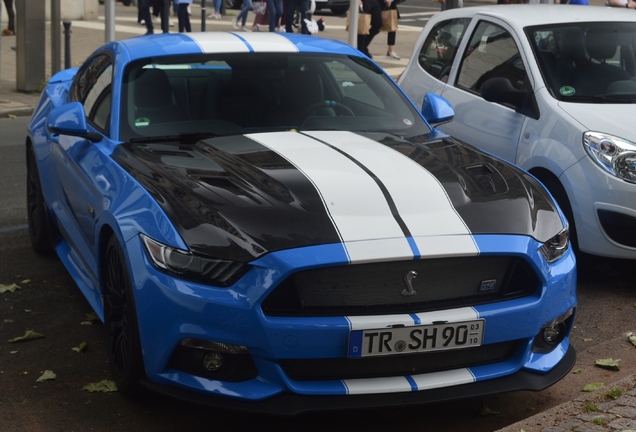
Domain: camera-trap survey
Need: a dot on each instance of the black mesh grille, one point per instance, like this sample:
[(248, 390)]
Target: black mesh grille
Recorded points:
[(397, 365), (377, 288)]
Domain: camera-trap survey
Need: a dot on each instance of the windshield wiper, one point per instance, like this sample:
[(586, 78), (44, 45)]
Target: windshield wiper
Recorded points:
[(190, 137)]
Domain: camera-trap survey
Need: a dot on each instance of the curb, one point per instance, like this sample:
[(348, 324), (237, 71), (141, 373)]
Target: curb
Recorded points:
[(591, 412), (9, 108)]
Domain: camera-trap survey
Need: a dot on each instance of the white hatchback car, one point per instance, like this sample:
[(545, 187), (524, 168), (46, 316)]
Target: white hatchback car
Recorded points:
[(551, 88)]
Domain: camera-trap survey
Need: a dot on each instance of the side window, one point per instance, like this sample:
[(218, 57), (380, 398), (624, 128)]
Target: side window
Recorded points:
[(492, 52), (439, 49), (92, 88)]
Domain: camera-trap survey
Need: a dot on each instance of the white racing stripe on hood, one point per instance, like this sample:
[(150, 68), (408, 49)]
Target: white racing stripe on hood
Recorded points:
[(212, 42), (419, 197), (351, 197), (244, 42)]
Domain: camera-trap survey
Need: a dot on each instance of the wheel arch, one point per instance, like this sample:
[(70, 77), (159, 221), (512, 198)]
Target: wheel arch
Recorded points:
[(553, 184)]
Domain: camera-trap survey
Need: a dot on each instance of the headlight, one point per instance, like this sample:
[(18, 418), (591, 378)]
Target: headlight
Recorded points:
[(187, 265), (554, 248), (615, 155)]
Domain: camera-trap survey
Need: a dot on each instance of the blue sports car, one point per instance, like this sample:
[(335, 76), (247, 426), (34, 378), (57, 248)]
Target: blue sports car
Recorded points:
[(266, 222)]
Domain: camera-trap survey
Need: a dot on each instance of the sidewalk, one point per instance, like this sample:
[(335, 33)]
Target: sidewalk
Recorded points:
[(86, 36), (593, 412)]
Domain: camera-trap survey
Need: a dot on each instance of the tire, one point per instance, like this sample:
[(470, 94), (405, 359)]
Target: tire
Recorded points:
[(120, 317), (339, 10), (40, 227)]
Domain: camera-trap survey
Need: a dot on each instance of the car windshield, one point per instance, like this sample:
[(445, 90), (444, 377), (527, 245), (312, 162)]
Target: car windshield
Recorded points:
[(593, 62), (237, 93)]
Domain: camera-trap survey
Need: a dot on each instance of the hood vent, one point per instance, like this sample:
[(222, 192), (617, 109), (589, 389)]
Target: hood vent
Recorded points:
[(487, 178)]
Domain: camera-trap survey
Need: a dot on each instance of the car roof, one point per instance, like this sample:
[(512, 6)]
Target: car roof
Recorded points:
[(525, 15), (227, 42)]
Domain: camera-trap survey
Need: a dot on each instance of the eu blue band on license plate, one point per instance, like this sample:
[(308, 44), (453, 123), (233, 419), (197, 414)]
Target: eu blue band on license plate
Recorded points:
[(405, 340), (355, 344)]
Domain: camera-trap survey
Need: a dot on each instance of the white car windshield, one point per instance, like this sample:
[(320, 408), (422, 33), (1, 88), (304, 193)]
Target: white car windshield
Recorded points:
[(591, 62), (225, 94)]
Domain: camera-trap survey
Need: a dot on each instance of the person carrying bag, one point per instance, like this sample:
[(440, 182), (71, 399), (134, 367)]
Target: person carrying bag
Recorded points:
[(390, 16)]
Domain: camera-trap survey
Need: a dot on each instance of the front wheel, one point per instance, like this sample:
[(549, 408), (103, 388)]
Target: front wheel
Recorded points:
[(40, 229), (120, 317)]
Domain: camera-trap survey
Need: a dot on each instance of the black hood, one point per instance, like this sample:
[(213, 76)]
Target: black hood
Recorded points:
[(235, 198)]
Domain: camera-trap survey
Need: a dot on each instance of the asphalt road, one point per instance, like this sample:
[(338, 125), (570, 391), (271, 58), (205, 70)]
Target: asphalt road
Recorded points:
[(50, 304)]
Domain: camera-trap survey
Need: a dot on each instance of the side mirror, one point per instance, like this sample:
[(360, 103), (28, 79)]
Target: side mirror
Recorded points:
[(436, 109), (69, 119)]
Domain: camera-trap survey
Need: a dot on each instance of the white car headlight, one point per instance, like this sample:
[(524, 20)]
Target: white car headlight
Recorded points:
[(615, 155)]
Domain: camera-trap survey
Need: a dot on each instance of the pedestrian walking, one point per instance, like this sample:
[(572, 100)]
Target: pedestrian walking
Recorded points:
[(10, 30), (275, 9), (373, 8), (242, 16), (183, 16)]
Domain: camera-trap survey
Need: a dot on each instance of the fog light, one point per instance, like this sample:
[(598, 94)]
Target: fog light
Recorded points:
[(213, 361), (552, 334)]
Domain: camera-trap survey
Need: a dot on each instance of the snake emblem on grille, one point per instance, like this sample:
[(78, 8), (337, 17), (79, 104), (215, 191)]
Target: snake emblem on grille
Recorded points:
[(408, 279)]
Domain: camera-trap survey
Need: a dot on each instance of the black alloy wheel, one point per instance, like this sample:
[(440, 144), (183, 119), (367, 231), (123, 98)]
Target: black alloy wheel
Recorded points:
[(120, 317), (40, 230)]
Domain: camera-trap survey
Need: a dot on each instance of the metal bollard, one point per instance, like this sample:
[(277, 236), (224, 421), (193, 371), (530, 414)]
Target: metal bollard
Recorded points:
[(67, 44), (203, 15)]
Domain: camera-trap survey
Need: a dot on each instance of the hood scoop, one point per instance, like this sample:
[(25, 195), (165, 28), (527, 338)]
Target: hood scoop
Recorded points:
[(487, 179), (230, 191)]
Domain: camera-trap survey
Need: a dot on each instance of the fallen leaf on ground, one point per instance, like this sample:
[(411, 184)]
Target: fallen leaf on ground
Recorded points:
[(12, 116), (29, 335), (593, 387), (578, 371), (26, 281), (632, 339), (103, 386), (10, 288), (587, 339), (608, 363), (485, 411), (13, 352), (81, 348), (90, 317), (47, 375)]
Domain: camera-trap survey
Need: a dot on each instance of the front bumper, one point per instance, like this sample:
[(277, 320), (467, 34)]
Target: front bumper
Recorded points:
[(291, 404), (171, 310)]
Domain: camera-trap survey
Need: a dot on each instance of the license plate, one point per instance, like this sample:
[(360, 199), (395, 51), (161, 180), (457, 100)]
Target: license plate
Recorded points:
[(405, 340)]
